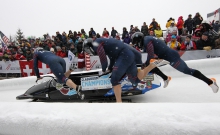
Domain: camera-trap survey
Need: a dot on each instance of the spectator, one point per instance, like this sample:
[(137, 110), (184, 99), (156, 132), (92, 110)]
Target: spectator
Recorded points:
[(29, 55), (105, 34), (124, 32), (73, 49), (117, 37), (113, 32), (79, 34), (183, 35), (188, 44), (189, 24), (154, 24), (132, 32), (84, 35), (216, 25), (131, 27), (127, 39), (52, 50), (79, 46), (49, 43), (158, 32), (64, 38), (174, 44), (60, 52), (205, 43), (64, 50), (70, 32), (169, 22), (136, 29), (92, 33), (172, 28), (217, 43), (144, 29), (152, 33), (59, 36), (180, 25), (168, 38), (1, 54), (197, 20), (98, 35), (17, 56), (59, 43), (45, 46), (105, 31)]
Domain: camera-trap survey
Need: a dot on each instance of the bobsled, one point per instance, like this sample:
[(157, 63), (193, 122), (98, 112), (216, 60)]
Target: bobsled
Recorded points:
[(94, 88)]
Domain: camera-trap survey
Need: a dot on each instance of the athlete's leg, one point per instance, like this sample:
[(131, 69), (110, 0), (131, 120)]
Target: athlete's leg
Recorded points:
[(121, 65)]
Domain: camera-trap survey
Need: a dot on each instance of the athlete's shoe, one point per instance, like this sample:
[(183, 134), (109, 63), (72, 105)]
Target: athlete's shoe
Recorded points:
[(159, 63), (214, 86), (166, 82), (72, 67), (78, 88)]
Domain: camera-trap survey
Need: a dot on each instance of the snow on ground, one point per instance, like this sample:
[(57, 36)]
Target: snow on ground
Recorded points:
[(186, 106)]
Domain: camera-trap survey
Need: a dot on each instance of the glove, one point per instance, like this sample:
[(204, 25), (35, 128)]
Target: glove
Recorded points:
[(207, 48), (105, 73)]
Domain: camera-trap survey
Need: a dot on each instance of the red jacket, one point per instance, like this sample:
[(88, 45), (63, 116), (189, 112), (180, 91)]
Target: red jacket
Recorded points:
[(19, 57), (61, 54), (180, 23), (184, 46)]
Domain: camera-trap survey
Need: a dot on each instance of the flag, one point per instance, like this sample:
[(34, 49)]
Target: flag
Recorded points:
[(4, 38), (4, 47), (71, 56)]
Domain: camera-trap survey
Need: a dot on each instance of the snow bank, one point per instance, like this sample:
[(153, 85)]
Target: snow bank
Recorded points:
[(206, 66), (109, 119)]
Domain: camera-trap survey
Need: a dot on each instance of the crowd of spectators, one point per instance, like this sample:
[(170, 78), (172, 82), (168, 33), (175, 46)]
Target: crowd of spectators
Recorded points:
[(188, 34)]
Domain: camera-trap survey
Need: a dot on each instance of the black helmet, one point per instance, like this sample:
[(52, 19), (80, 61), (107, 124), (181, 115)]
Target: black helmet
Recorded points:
[(90, 46), (137, 39)]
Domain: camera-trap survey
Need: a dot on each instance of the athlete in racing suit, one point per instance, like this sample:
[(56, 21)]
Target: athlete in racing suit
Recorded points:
[(123, 60), (153, 45), (57, 66)]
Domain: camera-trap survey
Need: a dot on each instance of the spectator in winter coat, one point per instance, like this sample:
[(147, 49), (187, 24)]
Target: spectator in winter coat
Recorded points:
[(154, 24), (64, 38), (98, 35), (197, 20), (158, 32), (59, 42), (189, 24), (92, 33), (59, 36), (180, 24), (174, 44), (144, 29), (183, 35), (124, 33), (205, 43), (73, 49), (29, 55), (113, 32), (127, 39), (70, 32), (60, 52), (172, 28), (105, 34), (188, 44), (169, 22), (136, 29), (216, 25)]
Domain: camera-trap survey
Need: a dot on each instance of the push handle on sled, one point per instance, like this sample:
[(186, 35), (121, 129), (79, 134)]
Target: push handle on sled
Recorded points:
[(44, 77)]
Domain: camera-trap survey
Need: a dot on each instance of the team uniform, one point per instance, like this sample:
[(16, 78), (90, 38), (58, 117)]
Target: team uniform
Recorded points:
[(123, 59), (56, 64), (153, 46)]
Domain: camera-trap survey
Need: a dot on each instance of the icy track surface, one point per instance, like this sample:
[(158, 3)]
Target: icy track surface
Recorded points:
[(186, 106)]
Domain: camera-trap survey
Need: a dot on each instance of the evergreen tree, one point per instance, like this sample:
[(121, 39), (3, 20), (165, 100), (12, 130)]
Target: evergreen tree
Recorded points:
[(19, 35)]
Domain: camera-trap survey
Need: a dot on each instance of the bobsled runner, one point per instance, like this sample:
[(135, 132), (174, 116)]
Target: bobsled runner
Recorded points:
[(94, 87)]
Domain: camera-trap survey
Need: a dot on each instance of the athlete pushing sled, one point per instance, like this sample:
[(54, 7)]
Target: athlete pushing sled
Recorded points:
[(123, 60), (58, 68), (153, 45)]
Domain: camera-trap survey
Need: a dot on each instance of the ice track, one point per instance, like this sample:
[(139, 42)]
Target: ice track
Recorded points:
[(186, 106)]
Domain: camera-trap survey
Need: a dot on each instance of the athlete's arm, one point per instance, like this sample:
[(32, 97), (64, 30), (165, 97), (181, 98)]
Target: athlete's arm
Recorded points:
[(150, 52), (35, 62), (102, 57)]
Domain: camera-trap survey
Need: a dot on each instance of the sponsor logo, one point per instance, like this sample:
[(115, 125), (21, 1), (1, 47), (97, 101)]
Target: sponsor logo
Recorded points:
[(211, 56), (8, 67)]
